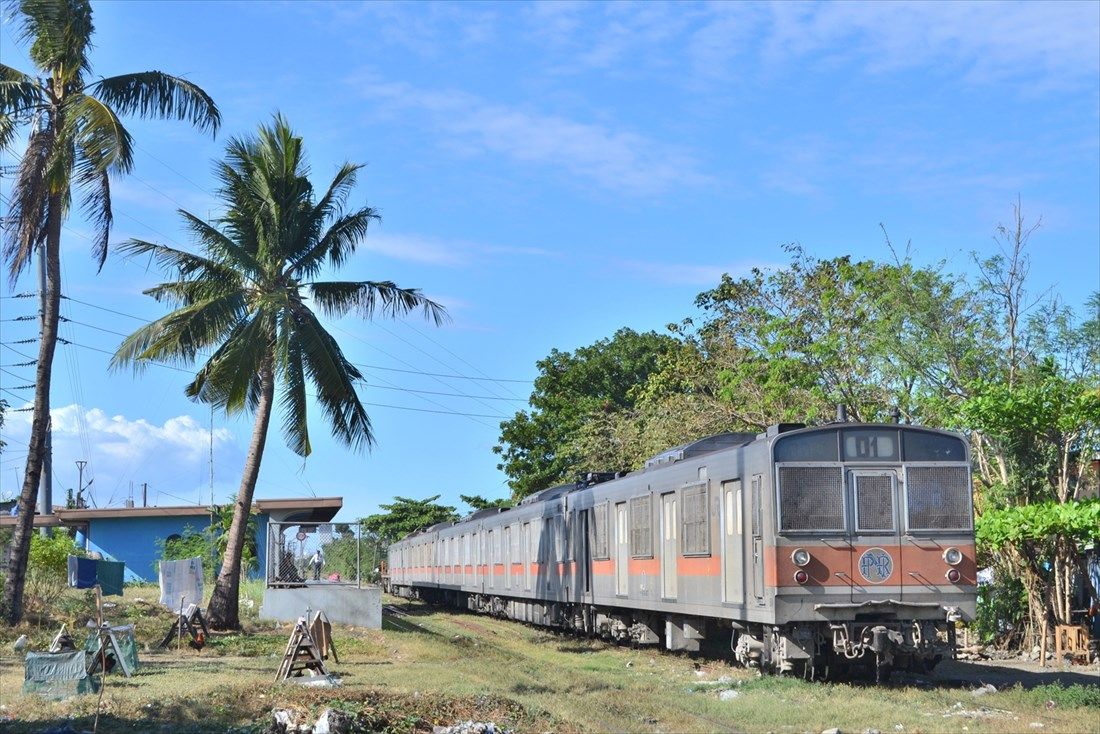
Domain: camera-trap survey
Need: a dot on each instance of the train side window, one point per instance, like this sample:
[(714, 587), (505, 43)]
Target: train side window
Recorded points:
[(601, 547), (641, 527), (696, 520)]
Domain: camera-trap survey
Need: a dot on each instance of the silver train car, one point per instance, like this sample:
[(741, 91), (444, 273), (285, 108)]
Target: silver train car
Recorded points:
[(820, 550)]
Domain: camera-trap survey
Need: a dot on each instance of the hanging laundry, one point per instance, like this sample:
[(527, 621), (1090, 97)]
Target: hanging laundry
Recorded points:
[(180, 579), (109, 576), (82, 572)]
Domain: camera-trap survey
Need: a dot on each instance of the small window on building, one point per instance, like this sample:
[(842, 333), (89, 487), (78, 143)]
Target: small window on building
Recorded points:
[(641, 527), (696, 520)]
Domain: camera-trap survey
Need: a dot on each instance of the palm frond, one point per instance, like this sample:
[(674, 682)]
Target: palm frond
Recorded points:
[(187, 292), (187, 265), (337, 244), (156, 94), (60, 33), (331, 203), (20, 96), (370, 297), (221, 246), (178, 337), (28, 203), (102, 141), (225, 380), (293, 378), (97, 209), (334, 378)]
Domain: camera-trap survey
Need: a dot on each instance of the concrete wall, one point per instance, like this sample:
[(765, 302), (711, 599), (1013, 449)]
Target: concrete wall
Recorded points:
[(134, 540), (341, 604)]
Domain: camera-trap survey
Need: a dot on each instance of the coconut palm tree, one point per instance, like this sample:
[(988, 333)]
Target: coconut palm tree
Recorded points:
[(249, 300), (76, 142)]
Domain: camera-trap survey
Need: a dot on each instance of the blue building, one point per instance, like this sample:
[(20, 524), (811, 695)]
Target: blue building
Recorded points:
[(134, 535)]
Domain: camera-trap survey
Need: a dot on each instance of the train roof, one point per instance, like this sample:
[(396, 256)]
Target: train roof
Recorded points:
[(550, 493), (702, 446)]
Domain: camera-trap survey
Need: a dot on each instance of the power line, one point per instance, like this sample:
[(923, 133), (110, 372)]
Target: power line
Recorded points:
[(437, 374), (446, 394), (104, 308), (445, 412), (376, 405), (468, 363)]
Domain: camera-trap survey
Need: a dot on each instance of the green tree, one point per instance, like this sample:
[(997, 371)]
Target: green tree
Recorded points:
[(76, 143), (1035, 439), (535, 445), (869, 335), (405, 515), (246, 299), (477, 502)]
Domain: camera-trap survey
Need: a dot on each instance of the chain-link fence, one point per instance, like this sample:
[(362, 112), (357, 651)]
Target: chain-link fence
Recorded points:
[(300, 553)]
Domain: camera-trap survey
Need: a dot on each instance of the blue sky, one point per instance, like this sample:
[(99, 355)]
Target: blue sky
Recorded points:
[(552, 172)]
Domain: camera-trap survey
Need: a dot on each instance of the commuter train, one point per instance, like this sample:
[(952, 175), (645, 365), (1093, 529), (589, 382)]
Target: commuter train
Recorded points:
[(814, 551)]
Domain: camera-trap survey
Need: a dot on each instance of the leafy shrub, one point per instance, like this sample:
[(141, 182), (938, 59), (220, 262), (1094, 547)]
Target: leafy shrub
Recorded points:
[(48, 570), (194, 544), (1001, 606)]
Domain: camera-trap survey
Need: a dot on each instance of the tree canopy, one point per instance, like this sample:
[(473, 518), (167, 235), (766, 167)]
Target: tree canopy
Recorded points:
[(536, 446), (405, 515)]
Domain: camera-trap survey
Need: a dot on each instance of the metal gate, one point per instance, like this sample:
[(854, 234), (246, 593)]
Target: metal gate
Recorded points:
[(301, 554)]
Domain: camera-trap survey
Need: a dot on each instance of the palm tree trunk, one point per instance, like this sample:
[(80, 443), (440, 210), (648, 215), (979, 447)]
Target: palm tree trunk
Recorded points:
[(36, 451), (223, 612)]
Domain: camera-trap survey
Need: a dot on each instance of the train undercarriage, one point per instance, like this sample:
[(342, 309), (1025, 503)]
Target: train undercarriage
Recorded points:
[(871, 646)]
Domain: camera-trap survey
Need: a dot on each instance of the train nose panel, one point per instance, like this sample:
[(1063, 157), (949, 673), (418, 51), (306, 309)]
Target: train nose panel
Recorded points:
[(876, 560)]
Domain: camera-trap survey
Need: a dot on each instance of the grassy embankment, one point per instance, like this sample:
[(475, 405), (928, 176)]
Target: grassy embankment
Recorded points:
[(434, 667)]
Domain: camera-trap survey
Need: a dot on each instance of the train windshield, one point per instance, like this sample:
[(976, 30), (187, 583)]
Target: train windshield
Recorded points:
[(841, 478)]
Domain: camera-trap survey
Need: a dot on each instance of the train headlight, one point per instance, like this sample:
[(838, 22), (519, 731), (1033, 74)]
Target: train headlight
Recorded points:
[(953, 575), (801, 556), (801, 576), (953, 556)]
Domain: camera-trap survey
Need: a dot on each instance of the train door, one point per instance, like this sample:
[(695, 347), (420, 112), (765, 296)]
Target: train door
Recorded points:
[(492, 555), (507, 543), (525, 554), (476, 540), (733, 534), (757, 540), (669, 550), (622, 551), (584, 559), (876, 557)]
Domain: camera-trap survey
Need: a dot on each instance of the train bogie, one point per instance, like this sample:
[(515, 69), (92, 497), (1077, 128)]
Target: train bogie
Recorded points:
[(801, 550)]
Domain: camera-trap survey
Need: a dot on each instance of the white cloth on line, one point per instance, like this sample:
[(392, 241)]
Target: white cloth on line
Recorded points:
[(181, 578)]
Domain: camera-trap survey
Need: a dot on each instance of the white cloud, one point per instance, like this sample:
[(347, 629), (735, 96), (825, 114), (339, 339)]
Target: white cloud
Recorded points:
[(617, 160), (1056, 41), (173, 455), (445, 253), (1042, 44)]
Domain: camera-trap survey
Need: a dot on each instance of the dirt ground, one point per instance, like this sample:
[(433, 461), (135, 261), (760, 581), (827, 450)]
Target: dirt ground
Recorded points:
[(429, 667)]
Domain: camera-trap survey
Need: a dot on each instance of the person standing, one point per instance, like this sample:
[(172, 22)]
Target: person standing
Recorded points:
[(317, 562)]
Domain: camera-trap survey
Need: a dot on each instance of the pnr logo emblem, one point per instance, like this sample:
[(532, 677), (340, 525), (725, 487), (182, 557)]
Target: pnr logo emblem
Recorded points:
[(876, 565)]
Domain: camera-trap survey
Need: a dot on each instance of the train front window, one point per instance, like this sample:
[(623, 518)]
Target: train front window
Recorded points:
[(811, 498), (938, 497), (871, 445), (922, 446)]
